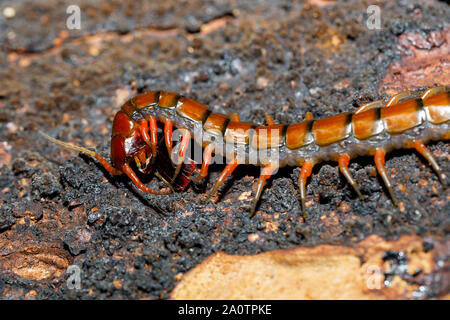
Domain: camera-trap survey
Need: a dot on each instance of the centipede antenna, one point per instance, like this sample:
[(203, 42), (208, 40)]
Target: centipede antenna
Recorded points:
[(91, 153)]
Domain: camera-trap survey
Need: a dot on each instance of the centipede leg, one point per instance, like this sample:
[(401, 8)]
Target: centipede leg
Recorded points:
[(269, 120), (150, 135), (344, 161), (229, 168), (305, 172), (143, 128), (235, 117), (153, 137), (184, 144), (266, 173), (168, 129), (422, 149), (130, 173), (207, 155), (379, 163)]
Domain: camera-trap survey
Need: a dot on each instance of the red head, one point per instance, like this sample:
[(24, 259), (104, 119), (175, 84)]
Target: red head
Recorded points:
[(128, 145)]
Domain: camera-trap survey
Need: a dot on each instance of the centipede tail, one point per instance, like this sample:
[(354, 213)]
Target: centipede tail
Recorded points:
[(407, 120)]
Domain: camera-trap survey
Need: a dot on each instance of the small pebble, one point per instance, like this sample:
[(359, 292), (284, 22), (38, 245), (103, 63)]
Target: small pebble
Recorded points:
[(9, 12)]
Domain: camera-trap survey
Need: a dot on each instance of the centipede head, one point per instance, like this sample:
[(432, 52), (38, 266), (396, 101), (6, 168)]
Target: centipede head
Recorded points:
[(128, 146)]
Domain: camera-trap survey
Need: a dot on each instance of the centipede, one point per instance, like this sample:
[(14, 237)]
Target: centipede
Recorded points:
[(143, 132)]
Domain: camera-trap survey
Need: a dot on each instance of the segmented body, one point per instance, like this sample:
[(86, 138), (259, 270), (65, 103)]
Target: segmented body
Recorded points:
[(355, 134), (407, 120)]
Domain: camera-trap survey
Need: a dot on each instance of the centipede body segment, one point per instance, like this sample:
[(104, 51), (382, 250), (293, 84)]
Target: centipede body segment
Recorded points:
[(407, 120)]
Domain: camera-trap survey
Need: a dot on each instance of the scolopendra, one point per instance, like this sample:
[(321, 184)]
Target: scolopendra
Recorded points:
[(406, 120)]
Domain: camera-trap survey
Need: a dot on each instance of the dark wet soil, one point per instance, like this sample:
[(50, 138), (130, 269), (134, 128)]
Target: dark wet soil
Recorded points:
[(279, 58)]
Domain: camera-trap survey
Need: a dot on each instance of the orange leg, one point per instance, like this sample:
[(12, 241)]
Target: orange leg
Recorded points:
[(420, 147), (184, 144), (153, 137), (229, 168), (168, 128), (235, 117), (143, 128), (266, 173), (344, 161), (269, 120), (379, 163), (309, 116), (207, 154), (305, 172), (150, 136), (130, 173)]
